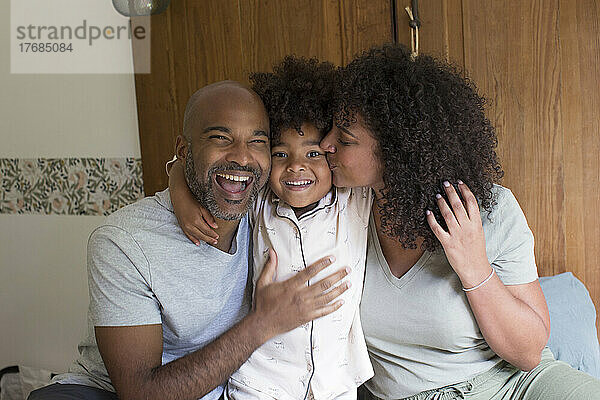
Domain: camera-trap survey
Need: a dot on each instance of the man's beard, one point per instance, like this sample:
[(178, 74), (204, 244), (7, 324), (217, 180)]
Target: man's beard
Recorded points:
[(204, 194)]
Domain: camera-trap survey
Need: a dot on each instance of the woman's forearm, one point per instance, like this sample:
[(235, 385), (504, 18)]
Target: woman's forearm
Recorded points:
[(513, 320)]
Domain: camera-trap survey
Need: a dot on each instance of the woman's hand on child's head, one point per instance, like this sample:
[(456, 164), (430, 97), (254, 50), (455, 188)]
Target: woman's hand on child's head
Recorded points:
[(464, 242), (195, 221)]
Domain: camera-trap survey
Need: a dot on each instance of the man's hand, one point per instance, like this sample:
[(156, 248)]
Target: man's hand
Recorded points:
[(132, 354), (283, 306)]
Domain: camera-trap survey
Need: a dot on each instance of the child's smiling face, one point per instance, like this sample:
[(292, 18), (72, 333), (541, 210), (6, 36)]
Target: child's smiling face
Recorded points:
[(300, 175)]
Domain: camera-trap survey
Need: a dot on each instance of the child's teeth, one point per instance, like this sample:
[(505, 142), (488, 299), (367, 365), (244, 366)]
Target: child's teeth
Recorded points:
[(299, 183)]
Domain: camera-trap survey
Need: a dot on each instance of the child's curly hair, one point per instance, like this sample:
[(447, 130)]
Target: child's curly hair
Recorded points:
[(430, 126), (299, 90)]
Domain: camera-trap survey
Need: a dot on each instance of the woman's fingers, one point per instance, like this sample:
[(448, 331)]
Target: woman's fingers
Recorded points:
[(458, 207), (470, 201), (437, 229), (447, 213)]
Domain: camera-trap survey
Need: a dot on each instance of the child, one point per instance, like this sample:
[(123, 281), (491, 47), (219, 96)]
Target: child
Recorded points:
[(302, 218)]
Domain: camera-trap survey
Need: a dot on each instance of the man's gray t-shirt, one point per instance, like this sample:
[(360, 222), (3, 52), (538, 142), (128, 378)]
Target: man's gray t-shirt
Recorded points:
[(143, 270), (420, 330)]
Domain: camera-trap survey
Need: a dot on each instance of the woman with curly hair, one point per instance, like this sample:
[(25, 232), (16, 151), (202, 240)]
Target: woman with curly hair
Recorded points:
[(452, 306)]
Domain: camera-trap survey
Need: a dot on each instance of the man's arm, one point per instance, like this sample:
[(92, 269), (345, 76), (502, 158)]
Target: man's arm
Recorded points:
[(132, 354)]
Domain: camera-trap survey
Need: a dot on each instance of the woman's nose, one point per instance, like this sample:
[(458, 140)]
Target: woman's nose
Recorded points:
[(327, 143)]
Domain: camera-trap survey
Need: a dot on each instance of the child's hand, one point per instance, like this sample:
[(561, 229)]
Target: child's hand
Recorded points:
[(195, 221)]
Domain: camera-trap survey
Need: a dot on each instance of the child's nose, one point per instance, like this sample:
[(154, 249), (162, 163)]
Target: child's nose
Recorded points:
[(295, 166)]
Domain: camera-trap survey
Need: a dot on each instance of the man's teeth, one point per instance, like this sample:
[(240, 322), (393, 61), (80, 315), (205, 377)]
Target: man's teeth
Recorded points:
[(298, 183), (234, 177)]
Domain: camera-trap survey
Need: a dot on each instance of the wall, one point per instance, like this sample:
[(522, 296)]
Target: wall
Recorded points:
[(43, 283)]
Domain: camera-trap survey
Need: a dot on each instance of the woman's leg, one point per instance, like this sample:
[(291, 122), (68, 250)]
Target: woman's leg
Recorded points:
[(554, 379)]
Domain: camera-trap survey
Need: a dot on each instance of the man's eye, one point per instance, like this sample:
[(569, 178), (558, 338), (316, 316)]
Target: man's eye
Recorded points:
[(218, 137), (279, 154), (259, 141), (313, 154)]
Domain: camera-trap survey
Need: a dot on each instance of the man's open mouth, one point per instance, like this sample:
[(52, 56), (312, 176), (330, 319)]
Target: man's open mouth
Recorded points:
[(233, 183)]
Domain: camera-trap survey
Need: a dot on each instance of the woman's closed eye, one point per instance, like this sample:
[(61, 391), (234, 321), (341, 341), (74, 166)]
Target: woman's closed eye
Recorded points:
[(343, 142)]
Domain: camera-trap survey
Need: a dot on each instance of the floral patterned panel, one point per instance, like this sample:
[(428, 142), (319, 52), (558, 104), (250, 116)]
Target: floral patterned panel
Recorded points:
[(69, 186)]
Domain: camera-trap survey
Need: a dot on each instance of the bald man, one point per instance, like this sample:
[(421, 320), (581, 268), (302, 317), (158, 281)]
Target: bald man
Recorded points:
[(169, 319)]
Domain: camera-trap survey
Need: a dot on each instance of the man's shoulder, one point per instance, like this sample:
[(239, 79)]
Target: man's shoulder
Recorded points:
[(146, 214)]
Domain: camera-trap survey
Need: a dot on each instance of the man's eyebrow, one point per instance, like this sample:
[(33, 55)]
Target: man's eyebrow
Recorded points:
[(347, 132), (261, 133), (216, 128)]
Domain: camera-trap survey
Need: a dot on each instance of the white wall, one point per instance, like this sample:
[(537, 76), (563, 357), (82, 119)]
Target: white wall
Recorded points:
[(43, 283)]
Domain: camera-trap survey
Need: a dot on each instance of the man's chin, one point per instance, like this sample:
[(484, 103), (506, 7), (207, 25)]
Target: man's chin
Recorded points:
[(230, 210)]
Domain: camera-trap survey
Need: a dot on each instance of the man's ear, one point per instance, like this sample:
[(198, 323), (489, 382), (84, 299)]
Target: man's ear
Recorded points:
[(181, 147)]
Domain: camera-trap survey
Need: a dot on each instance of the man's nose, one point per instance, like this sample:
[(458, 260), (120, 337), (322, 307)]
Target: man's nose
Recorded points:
[(239, 154)]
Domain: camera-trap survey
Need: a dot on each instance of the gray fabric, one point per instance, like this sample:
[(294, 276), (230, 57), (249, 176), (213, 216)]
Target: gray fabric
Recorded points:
[(71, 392), (142, 270), (419, 328), (550, 380)]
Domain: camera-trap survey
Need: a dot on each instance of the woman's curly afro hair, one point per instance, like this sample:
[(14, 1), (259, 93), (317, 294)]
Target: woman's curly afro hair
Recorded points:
[(299, 90), (430, 126)]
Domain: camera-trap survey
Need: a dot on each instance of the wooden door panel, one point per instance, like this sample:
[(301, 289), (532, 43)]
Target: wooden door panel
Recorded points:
[(193, 44), (512, 53), (580, 99), (272, 29), (441, 32), (365, 23)]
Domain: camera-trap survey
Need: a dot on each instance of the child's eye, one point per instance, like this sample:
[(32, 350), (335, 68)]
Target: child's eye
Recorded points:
[(279, 154), (313, 154)]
